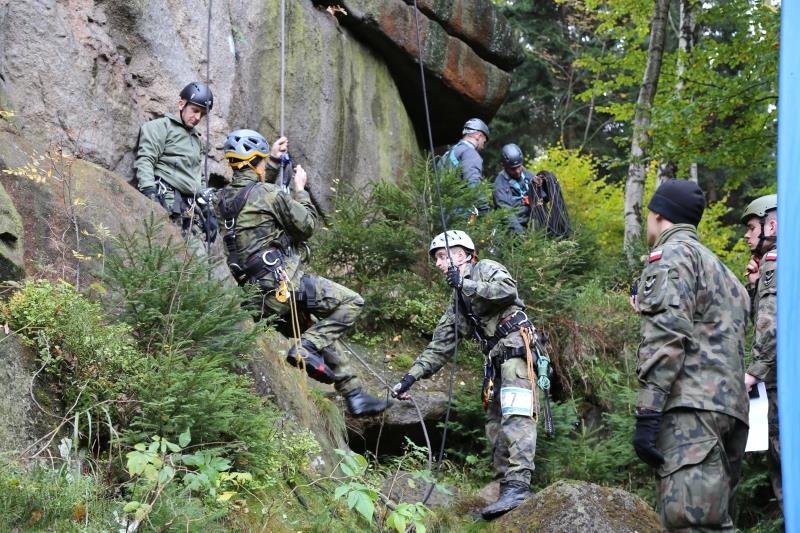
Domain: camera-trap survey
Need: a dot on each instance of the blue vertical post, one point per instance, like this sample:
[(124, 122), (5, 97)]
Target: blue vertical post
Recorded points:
[(789, 260)]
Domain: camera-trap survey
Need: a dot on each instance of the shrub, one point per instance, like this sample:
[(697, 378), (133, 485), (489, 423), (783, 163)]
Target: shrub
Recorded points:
[(44, 499)]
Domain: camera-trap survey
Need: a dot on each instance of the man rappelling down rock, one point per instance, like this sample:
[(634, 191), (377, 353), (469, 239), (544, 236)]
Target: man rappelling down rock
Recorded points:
[(265, 226)]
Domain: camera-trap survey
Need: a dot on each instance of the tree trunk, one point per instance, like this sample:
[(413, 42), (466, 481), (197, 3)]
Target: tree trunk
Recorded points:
[(667, 169), (685, 46), (634, 187)]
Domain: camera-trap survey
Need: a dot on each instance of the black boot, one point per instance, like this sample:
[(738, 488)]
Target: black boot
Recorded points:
[(512, 493), (308, 357), (360, 403)]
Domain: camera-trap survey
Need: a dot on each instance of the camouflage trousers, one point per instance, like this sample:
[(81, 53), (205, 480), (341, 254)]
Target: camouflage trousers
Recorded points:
[(511, 436), (696, 485), (327, 310), (774, 445)]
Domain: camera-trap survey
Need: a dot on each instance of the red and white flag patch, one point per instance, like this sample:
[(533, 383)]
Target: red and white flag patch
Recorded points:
[(771, 256), (655, 255)]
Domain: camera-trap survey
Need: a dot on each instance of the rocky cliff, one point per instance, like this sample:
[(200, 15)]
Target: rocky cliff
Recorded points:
[(84, 74)]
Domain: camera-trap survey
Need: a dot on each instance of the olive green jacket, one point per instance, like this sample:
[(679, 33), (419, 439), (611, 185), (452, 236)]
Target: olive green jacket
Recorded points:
[(693, 318), (271, 217), (765, 308), (492, 294), (170, 151)]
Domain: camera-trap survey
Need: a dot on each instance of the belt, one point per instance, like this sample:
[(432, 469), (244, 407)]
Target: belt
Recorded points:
[(262, 263)]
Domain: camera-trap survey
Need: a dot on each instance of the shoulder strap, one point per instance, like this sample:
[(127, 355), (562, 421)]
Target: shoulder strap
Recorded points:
[(230, 211)]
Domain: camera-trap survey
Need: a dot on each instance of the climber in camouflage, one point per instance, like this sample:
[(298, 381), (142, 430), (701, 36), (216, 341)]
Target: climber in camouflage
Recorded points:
[(761, 220), (490, 310), (265, 226), (692, 410)]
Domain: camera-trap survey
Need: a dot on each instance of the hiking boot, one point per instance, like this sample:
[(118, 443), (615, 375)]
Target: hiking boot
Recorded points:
[(512, 493), (360, 403)]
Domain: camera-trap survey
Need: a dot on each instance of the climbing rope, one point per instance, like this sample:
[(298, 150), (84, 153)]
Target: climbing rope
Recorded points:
[(437, 180), (283, 63)]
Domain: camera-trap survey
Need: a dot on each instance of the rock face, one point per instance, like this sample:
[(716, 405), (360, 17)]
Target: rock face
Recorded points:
[(11, 263), (468, 51), (21, 422), (85, 74), (569, 506)]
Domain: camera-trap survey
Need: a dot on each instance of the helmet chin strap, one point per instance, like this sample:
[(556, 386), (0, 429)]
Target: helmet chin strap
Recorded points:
[(760, 251)]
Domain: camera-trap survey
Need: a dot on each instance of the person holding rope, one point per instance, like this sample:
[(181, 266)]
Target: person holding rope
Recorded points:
[(489, 309), (168, 164), (512, 188), (264, 227)]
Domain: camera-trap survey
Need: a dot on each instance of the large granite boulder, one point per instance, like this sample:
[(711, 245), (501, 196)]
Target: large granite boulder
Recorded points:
[(570, 506)]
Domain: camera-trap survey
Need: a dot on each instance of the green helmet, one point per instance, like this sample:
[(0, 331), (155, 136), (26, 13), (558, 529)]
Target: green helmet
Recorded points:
[(760, 207)]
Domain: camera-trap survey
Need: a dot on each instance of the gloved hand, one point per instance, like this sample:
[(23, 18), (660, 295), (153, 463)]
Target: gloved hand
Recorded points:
[(151, 192), (400, 390), (210, 224), (454, 277), (648, 424)]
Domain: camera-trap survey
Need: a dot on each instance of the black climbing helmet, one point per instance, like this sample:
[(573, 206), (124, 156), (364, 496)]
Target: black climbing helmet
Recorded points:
[(512, 155), (244, 145), (198, 94), (475, 124)]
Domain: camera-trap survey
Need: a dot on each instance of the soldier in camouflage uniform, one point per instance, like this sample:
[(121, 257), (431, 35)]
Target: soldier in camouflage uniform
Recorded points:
[(265, 225), (761, 220), (489, 306), (168, 163), (692, 410)]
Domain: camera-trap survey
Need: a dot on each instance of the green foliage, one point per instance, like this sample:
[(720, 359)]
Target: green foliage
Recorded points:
[(38, 498), (164, 294), (173, 365), (360, 494), (96, 364), (724, 240), (156, 465)]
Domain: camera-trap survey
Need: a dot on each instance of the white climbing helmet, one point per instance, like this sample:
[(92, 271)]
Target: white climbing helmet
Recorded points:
[(454, 238)]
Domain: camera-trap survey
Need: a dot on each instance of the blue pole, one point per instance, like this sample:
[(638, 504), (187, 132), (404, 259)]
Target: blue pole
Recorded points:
[(788, 261)]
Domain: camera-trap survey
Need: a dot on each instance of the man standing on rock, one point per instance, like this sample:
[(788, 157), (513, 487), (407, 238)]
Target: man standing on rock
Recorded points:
[(266, 227), (761, 220), (465, 154), (168, 162), (692, 409), (490, 310)]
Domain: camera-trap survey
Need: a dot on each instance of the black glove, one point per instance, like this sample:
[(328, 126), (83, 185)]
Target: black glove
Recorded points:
[(150, 192), (454, 277), (648, 424), (210, 224), (403, 385)]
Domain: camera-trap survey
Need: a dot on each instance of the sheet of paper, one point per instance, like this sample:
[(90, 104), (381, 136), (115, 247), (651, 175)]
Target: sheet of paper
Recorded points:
[(757, 439)]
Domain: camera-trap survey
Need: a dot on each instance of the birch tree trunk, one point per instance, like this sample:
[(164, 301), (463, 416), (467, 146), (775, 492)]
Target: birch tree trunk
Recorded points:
[(634, 186)]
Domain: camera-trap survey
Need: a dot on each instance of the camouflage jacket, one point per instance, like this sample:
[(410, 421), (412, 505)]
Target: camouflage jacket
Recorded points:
[(765, 343), (492, 295), (270, 218), (170, 151), (693, 318)]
